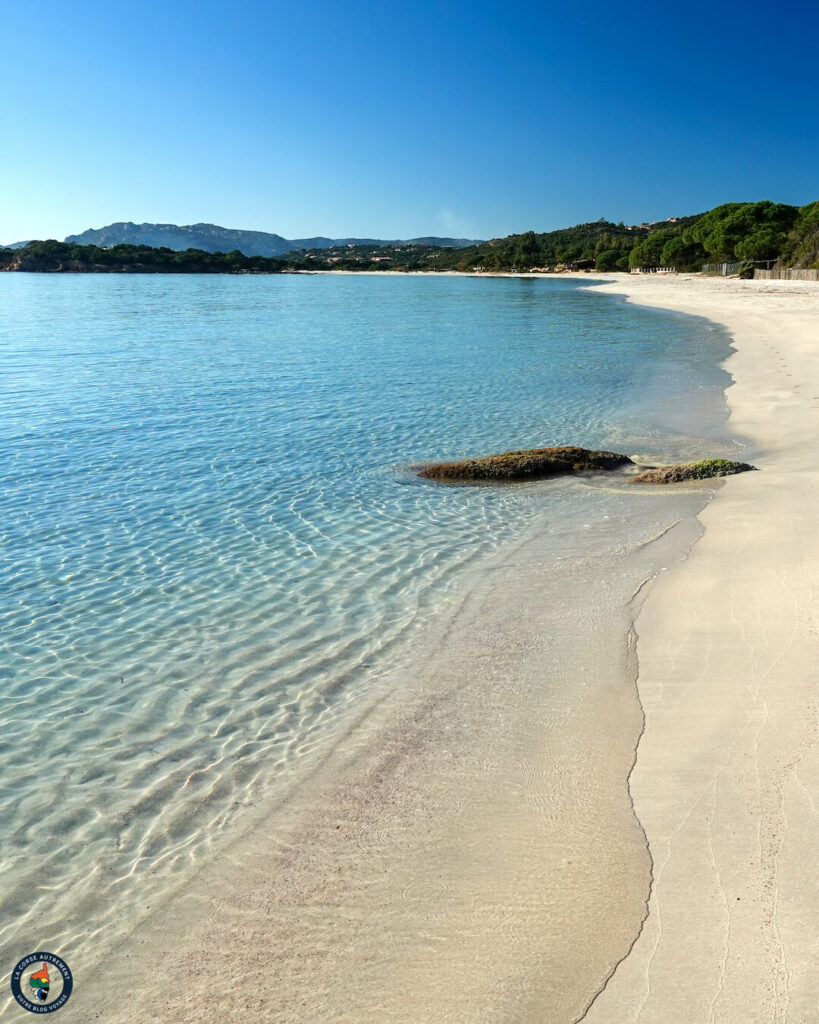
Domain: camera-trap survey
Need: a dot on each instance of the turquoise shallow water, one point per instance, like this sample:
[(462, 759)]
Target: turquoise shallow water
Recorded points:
[(213, 547)]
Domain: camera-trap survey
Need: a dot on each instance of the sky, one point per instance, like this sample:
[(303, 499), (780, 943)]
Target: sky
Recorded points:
[(395, 120)]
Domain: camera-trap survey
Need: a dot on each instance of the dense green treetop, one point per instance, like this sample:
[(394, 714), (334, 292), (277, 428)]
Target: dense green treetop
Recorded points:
[(801, 247), (747, 231), (53, 256)]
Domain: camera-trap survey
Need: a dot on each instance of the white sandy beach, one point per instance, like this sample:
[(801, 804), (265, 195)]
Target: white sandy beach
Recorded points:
[(727, 773), (446, 876)]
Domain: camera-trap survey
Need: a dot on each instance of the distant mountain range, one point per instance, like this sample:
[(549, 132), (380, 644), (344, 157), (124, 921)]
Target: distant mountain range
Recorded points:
[(212, 238)]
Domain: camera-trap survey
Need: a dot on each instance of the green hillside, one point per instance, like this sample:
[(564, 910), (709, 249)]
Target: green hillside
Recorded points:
[(728, 233)]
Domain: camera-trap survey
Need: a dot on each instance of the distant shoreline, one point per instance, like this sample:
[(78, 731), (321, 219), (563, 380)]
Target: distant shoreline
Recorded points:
[(145, 271), (745, 234)]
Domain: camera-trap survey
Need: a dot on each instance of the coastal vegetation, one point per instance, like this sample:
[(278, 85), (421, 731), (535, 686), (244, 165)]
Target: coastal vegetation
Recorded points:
[(732, 232), (529, 464), (746, 233), (54, 257), (703, 469)]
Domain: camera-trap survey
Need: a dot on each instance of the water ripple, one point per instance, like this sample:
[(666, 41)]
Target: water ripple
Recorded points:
[(212, 547)]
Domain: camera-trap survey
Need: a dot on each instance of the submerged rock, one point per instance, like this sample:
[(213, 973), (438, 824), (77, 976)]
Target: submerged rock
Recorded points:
[(702, 470), (531, 464)]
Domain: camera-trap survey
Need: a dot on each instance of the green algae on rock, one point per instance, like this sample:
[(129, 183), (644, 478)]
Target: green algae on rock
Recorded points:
[(530, 464), (702, 470)]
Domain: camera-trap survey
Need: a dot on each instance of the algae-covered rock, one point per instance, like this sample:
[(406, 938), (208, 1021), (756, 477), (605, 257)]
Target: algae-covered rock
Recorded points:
[(531, 464), (702, 470)]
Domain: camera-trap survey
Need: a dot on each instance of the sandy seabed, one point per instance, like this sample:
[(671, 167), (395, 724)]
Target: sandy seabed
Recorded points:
[(477, 865)]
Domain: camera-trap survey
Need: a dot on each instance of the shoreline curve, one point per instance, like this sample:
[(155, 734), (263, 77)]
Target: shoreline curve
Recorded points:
[(727, 772)]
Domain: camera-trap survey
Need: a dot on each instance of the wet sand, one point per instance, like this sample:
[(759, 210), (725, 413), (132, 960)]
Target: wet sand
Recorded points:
[(470, 852)]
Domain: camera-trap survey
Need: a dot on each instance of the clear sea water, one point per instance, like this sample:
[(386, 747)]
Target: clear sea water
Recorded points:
[(214, 546)]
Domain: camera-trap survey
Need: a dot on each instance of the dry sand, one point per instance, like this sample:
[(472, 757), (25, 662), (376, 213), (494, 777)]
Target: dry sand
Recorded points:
[(727, 773), (475, 867)]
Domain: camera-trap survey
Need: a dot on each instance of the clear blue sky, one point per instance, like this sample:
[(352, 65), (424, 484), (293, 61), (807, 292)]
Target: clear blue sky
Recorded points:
[(396, 120)]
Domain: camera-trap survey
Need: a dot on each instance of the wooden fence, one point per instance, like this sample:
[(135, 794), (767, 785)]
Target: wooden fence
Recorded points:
[(721, 269), (786, 275)]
